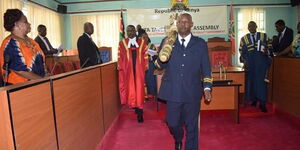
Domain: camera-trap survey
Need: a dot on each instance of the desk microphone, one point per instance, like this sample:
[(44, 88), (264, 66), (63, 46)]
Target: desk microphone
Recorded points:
[(6, 68), (84, 62)]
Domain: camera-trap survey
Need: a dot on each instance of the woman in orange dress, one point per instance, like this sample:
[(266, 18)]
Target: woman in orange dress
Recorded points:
[(20, 54)]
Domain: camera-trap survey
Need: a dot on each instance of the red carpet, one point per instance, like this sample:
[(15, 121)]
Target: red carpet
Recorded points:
[(256, 131)]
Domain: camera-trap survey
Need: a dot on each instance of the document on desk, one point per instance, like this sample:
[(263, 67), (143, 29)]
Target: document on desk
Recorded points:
[(59, 50)]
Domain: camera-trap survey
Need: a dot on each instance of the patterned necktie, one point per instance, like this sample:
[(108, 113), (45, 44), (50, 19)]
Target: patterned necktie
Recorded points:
[(253, 38)]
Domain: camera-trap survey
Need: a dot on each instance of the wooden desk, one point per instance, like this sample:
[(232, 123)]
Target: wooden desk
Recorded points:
[(27, 120), (224, 97), (78, 109), (236, 74)]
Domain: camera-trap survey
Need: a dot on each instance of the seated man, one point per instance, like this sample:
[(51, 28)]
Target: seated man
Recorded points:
[(43, 41)]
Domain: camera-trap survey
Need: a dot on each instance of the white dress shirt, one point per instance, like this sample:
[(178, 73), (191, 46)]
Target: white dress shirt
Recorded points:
[(186, 39)]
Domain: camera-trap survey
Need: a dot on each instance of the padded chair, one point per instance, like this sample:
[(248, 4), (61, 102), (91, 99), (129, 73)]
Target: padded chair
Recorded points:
[(105, 53), (68, 66), (55, 68), (76, 64)]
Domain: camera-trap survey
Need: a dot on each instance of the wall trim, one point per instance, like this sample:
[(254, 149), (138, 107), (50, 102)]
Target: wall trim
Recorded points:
[(234, 5), (31, 1), (95, 1)]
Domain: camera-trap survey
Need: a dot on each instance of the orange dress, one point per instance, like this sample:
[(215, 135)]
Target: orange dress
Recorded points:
[(23, 57), (132, 78)]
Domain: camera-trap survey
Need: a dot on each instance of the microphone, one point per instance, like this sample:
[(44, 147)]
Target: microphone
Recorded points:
[(84, 62), (6, 68), (51, 72)]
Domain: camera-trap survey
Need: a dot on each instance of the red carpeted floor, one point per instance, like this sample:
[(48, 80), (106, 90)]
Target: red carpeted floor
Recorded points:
[(256, 131)]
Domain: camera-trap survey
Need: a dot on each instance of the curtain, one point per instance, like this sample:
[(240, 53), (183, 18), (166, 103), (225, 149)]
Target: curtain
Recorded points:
[(4, 5), (106, 30), (37, 15)]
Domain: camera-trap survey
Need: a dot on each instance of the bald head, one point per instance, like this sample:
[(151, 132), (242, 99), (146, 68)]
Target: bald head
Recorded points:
[(88, 28)]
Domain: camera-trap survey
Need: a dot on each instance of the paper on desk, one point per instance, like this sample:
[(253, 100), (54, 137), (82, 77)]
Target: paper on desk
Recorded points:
[(60, 48)]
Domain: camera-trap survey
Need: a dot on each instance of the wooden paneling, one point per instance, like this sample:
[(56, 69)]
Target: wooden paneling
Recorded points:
[(222, 98), (33, 119), (78, 107), (110, 89), (6, 137), (61, 59), (77, 110), (286, 85)]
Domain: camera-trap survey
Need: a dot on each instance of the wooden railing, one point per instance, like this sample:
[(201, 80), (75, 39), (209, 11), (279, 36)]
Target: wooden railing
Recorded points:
[(70, 111), (286, 85)]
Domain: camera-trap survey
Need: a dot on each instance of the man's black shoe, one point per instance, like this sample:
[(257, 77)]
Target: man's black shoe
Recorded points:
[(263, 108), (254, 103), (178, 145), (140, 118)]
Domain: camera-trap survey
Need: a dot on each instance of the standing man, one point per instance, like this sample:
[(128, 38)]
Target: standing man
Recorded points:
[(254, 55), (43, 41), (140, 30), (132, 64), (283, 40), (89, 54), (187, 76)]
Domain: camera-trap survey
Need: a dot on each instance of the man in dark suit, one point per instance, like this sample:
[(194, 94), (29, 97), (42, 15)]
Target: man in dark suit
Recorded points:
[(43, 41), (283, 40), (89, 54), (187, 76)]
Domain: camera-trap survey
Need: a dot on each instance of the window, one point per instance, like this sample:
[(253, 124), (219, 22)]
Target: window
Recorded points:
[(36, 15), (106, 30)]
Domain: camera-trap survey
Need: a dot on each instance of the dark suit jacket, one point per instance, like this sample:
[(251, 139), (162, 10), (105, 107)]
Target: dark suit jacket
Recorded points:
[(140, 32), (43, 46), (182, 79), (285, 42), (87, 51)]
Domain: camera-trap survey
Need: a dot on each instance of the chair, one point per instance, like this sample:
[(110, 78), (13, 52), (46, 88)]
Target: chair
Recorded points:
[(68, 66), (76, 64), (105, 53), (55, 68)]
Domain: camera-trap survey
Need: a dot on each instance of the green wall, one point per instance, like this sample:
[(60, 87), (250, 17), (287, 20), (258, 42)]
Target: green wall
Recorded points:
[(48, 3), (273, 12), (155, 4)]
